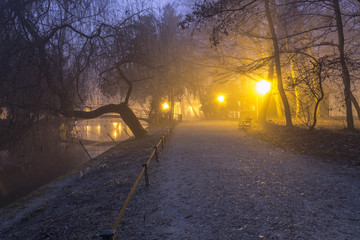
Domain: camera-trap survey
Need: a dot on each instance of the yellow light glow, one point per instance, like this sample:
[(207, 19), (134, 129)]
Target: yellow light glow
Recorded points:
[(115, 124), (119, 126), (221, 98), (190, 108), (98, 127), (115, 134), (165, 106), (263, 87)]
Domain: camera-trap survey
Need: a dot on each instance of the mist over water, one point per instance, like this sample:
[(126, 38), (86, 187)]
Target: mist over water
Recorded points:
[(44, 154)]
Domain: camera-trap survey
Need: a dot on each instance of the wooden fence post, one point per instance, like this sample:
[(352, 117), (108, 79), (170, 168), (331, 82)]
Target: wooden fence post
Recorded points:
[(147, 182)]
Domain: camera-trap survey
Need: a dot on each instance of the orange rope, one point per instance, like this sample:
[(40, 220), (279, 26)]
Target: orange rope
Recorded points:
[(135, 185), (128, 200)]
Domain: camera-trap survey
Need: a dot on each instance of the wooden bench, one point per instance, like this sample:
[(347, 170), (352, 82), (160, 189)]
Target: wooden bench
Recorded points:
[(245, 124)]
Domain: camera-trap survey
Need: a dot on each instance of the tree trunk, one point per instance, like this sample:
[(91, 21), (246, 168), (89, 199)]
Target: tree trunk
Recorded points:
[(131, 121), (123, 109), (266, 102), (318, 98), (344, 68), (356, 105), (296, 88), (278, 102), (278, 66), (292, 74)]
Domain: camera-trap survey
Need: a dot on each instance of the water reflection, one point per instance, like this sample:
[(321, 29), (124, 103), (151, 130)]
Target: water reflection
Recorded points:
[(42, 156), (98, 135)]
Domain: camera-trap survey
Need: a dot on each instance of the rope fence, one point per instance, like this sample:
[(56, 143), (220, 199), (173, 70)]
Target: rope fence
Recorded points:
[(110, 234)]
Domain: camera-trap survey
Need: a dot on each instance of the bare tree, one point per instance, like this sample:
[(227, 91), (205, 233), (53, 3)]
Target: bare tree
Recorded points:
[(312, 74), (278, 65), (344, 68), (60, 43)]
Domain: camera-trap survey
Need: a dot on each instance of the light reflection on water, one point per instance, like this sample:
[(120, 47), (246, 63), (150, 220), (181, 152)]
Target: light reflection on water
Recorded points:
[(100, 129), (37, 160), (98, 135)]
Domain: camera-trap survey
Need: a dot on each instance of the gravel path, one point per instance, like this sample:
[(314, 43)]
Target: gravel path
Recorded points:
[(214, 182)]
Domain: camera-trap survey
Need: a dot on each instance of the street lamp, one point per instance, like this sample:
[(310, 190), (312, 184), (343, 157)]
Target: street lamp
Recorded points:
[(221, 98), (262, 87), (165, 106)]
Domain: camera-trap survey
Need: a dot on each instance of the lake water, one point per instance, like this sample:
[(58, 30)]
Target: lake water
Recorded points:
[(42, 160), (98, 135)]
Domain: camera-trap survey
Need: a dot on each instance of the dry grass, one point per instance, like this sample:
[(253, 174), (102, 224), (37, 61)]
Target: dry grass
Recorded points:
[(330, 141)]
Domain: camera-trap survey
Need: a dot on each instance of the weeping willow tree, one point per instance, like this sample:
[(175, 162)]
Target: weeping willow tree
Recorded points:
[(51, 51)]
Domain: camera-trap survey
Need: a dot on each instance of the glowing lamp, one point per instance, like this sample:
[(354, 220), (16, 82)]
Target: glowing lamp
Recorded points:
[(165, 106), (263, 87), (221, 98)]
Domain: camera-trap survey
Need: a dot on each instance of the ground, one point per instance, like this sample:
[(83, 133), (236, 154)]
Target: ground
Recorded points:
[(83, 203), (213, 181), (330, 141)]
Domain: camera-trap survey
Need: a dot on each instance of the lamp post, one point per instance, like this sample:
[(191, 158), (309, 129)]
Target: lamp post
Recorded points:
[(262, 88)]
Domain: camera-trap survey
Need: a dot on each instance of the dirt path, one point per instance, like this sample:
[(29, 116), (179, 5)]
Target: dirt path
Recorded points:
[(214, 182)]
